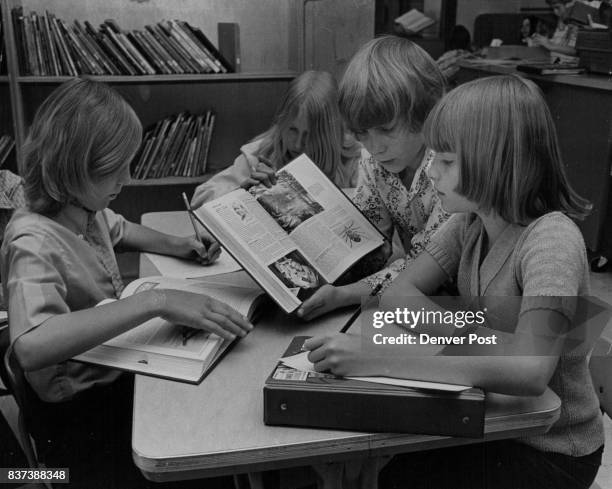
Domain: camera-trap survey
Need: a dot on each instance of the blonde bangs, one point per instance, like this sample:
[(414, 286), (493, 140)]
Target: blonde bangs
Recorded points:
[(505, 140)]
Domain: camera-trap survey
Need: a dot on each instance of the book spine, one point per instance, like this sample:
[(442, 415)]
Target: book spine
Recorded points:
[(178, 49), (164, 153), (154, 151), (94, 40), (69, 63), (22, 47), (202, 150), (82, 63), (229, 44), (172, 59), (209, 132), (52, 47), (196, 53), (40, 55), (120, 45), (213, 54), (161, 55), (199, 136), (133, 51), (148, 52), (91, 46), (32, 61), (85, 51), (111, 49)]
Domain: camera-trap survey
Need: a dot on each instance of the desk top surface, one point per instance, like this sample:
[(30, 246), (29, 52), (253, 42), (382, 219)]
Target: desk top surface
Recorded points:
[(585, 80), (184, 431)]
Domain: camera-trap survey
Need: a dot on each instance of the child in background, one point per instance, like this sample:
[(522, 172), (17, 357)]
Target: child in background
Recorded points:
[(58, 262), (562, 44), (387, 91), (498, 168), (307, 121)]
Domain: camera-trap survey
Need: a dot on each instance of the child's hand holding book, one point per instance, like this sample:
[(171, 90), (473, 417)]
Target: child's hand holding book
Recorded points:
[(262, 174), (201, 312)]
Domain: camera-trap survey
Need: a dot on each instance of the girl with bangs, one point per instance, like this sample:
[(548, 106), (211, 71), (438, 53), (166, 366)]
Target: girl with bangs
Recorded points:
[(307, 121), (58, 262), (498, 169), (386, 93)]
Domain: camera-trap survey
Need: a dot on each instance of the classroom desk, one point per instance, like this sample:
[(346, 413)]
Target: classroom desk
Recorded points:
[(184, 431), (581, 106)]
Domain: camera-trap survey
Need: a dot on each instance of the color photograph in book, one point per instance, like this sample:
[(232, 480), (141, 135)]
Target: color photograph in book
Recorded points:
[(293, 237)]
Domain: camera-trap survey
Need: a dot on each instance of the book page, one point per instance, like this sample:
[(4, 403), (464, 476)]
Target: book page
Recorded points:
[(301, 363), (158, 347), (295, 236), (329, 230), (169, 266), (261, 245), (159, 336)]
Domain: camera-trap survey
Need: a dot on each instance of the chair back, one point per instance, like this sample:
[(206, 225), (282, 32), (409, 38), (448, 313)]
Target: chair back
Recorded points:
[(14, 380)]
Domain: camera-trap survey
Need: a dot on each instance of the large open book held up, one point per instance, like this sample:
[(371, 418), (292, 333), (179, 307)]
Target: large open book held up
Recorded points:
[(294, 237), (162, 349)]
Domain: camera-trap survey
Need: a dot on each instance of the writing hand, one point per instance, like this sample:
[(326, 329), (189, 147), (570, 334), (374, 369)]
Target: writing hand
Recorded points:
[(341, 354), (205, 251), (202, 312)]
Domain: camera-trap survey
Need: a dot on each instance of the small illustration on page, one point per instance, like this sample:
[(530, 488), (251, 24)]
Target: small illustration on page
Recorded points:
[(294, 271), (287, 202)]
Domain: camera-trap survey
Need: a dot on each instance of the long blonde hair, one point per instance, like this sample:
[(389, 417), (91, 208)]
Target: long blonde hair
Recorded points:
[(81, 133), (314, 94), (506, 143)]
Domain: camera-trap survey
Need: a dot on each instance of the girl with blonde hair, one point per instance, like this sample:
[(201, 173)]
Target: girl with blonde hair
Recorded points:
[(58, 263), (510, 243), (307, 121)]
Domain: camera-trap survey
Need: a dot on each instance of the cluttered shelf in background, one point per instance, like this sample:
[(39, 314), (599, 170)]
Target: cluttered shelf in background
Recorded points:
[(149, 182), (136, 79)]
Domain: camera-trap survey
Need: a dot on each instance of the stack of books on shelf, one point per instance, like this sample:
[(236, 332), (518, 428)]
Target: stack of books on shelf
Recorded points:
[(48, 46), (7, 143), (176, 147)]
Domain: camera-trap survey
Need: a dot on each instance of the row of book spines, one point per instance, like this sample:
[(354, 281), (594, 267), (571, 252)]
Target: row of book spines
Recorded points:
[(7, 143), (176, 146), (48, 46)]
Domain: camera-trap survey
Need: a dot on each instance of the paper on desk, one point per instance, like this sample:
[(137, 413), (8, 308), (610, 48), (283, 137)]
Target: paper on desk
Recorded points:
[(301, 362), (169, 266)]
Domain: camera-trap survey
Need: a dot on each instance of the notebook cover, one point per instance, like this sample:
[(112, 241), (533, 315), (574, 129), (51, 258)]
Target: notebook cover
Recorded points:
[(295, 398)]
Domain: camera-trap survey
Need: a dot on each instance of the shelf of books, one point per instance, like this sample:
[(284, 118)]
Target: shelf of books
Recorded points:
[(195, 108), (146, 79)]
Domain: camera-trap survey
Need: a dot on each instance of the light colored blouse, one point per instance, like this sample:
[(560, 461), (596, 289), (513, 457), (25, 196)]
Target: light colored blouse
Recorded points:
[(545, 263), (415, 213), (50, 269)]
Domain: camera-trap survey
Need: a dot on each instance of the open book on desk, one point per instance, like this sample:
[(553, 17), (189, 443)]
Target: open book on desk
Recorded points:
[(294, 237), (162, 349)]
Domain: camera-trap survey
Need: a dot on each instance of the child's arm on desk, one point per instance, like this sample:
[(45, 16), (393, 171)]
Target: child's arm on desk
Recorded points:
[(518, 374), (142, 238)]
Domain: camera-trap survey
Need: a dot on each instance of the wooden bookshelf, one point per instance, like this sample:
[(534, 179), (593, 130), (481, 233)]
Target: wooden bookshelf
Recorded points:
[(244, 104), (151, 79)]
